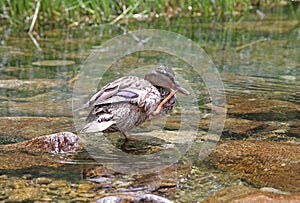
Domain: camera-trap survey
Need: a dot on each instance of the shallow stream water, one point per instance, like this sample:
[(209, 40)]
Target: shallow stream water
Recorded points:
[(258, 62)]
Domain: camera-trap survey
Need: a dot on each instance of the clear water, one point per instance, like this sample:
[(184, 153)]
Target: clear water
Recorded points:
[(258, 62)]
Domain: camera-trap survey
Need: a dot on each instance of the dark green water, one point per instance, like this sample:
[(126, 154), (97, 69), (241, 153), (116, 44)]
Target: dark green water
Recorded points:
[(259, 59)]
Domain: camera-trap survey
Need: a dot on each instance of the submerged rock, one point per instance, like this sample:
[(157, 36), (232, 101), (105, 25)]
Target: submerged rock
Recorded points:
[(248, 195), (23, 127), (111, 181), (235, 128), (262, 109), (58, 143), (294, 129), (39, 151), (43, 108), (260, 163)]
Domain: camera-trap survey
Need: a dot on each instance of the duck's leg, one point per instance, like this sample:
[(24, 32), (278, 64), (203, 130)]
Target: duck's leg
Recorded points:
[(126, 135), (159, 107)]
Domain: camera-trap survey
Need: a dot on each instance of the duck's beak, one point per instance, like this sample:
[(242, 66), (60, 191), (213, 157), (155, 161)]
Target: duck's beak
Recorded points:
[(181, 89)]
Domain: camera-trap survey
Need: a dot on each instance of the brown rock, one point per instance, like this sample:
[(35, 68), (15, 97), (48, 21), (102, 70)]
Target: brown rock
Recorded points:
[(57, 143), (294, 129), (241, 126), (20, 128), (57, 183), (245, 194), (234, 127), (166, 178), (262, 109), (261, 163), (43, 108), (43, 180), (39, 151), (14, 159)]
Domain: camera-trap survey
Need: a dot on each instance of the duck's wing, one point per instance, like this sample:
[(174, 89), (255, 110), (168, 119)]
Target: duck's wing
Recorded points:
[(124, 89)]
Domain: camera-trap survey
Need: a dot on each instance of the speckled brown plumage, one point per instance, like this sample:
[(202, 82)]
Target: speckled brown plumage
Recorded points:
[(129, 101)]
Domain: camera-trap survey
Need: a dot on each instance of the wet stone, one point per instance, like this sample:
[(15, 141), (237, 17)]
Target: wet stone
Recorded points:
[(43, 180), (235, 127), (57, 183), (87, 195), (3, 195), (40, 151), (248, 195), (13, 159), (43, 108), (81, 199), (166, 178), (20, 128), (294, 129), (27, 176), (24, 194), (260, 163), (57, 143), (262, 109), (63, 191), (278, 131), (3, 177)]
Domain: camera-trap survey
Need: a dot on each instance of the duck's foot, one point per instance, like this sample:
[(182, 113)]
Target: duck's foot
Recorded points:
[(127, 137), (159, 107)]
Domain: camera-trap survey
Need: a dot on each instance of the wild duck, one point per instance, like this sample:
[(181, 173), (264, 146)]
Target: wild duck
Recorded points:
[(130, 101)]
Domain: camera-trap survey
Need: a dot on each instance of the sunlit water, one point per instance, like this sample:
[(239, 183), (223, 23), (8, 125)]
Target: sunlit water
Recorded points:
[(264, 63)]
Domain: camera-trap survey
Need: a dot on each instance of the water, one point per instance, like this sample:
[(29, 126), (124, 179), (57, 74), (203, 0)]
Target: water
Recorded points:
[(259, 63)]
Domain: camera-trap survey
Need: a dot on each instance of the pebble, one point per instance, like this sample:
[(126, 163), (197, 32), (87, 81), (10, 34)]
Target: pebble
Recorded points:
[(27, 176), (3, 177), (3, 195), (63, 191), (57, 184), (273, 190), (43, 180), (288, 77), (87, 195)]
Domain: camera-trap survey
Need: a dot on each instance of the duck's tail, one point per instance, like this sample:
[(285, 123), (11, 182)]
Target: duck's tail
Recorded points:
[(96, 126)]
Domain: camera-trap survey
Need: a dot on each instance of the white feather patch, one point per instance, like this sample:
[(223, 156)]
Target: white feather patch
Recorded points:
[(95, 126)]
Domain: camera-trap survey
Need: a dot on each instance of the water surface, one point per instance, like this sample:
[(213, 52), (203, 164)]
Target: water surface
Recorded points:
[(256, 60)]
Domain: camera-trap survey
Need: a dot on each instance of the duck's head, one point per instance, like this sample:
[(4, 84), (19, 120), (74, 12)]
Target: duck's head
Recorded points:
[(164, 76)]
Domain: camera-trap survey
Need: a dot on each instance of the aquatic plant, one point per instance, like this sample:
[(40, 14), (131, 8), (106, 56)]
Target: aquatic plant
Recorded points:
[(73, 13)]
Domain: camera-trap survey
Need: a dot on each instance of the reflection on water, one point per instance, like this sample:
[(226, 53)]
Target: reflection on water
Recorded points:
[(259, 67)]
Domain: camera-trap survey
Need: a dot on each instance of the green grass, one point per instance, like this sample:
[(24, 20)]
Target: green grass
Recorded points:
[(18, 12)]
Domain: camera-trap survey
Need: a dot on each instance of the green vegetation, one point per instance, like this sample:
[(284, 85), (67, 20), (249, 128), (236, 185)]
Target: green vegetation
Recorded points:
[(74, 12)]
